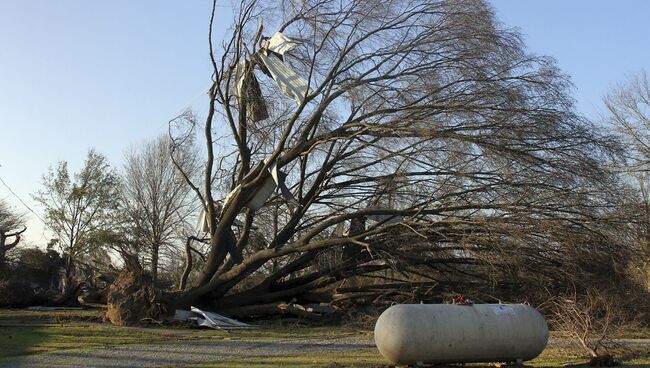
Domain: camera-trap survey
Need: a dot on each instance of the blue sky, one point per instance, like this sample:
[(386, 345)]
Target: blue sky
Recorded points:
[(598, 43), (77, 74)]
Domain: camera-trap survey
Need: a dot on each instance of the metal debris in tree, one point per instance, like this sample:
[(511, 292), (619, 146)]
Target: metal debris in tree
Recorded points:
[(280, 44), (287, 79), (385, 219), (203, 223), (262, 194), (271, 61)]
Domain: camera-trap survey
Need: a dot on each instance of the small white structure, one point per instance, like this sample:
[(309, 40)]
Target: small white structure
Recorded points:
[(452, 333)]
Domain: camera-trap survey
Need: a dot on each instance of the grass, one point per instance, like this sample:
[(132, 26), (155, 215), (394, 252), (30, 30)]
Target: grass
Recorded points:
[(556, 357), (275, 332), (33, 340), (22, 316), (559, 357), (31, 332), (357, 359), (24, 332), (550, 358)]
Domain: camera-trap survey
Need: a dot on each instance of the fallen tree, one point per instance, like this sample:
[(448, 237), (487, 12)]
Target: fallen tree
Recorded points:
[(411, 141)]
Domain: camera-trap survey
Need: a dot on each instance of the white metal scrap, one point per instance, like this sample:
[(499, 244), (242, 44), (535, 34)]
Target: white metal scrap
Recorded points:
[(211, 320)]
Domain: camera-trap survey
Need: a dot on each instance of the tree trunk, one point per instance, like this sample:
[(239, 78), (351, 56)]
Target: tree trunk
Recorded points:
[(3, 251), (188, 265), (154, 263)]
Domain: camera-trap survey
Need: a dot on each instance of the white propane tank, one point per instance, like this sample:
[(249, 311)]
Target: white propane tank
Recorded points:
[(453, 333)]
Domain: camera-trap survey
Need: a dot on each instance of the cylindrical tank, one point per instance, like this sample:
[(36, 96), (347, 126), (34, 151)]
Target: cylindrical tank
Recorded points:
[(453, 333)]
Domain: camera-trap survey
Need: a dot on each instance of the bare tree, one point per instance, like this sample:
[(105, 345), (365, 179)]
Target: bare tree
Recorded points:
[(156, 198), (424, 143), (589, 318), (12, 226), (628, 107), (80, 210)]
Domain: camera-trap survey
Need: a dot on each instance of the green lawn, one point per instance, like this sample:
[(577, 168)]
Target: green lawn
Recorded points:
[(33, 340), (32, 332), (22, 316)]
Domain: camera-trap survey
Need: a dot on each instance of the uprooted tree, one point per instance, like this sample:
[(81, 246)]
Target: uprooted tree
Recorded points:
[(415, 145)]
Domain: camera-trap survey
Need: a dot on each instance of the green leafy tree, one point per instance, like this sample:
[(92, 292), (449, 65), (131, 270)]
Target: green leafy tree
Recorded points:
[(81, 209)]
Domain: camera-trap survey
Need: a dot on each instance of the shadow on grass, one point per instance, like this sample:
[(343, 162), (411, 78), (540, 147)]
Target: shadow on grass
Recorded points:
[(23, 332), (21, 340)]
